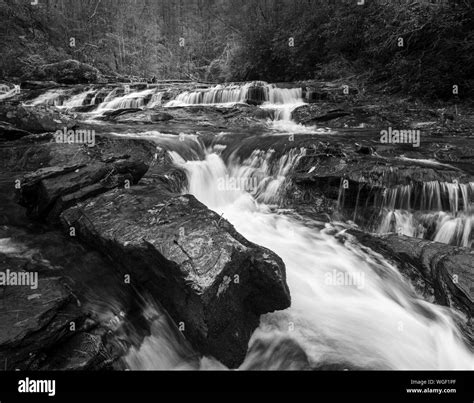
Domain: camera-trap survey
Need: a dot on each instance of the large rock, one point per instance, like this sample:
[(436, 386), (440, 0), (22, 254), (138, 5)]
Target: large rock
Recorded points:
[(256, 95), (67, 72), (212, 281), (447, 269), (37, 119), (160, 117), (315, 91)]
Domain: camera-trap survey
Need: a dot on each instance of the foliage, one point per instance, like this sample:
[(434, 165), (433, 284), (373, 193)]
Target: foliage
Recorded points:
[(237, 40)]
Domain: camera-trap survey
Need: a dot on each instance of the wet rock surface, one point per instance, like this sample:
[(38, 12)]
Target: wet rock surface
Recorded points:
[(34, 119), (203, 272), (66, 72), (64, 317)]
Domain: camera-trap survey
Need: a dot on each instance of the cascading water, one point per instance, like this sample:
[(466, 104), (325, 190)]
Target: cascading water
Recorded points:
[(77, 100), (223, 94), (131, 100), (105, 99), (372, 319), (156, 99), (280, 101), (441, 211), (50, 97), (283, 100)]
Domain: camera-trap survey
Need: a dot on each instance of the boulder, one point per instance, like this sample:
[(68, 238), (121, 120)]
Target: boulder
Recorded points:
[(161, 117), (66, 72), (213, 282), (316, 91), (256, 95), (38, 119)]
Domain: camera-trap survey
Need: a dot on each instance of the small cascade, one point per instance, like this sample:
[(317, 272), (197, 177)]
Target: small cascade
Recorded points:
[(52, 97), (77, 100), (104, 98), (439, 211), (454, 230), (402, 222), (284, 101), (156, 100), (284, 95), (261, 176), (398, 198), (132, 100), (110, 96), (264, 176), (222, 94), (430, 196)]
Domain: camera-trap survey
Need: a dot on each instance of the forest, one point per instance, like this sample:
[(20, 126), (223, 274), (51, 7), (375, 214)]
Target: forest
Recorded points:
[(421, 48)]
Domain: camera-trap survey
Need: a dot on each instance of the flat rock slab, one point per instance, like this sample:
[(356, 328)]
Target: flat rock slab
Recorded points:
[(212, 281)]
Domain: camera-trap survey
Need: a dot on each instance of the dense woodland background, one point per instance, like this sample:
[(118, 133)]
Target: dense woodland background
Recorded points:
[(237, 40)]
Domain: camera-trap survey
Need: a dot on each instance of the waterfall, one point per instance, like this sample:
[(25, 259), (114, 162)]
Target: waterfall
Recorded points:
[(374, 321), (156, 99), (50, 97), (284, 101), (440, 211), (105, 98), (220, 94), (230, 94), (77, 100), (132, 100)]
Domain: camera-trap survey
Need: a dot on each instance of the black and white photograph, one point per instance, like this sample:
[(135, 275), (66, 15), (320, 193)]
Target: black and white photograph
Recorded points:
[(236, 194)]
